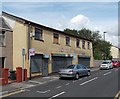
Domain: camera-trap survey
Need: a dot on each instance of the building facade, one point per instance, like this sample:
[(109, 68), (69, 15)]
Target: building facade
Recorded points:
[(6, 47), (54, 49), (115, 52)]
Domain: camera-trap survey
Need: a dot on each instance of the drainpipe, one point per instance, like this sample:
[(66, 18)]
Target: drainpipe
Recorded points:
[(29, 29)]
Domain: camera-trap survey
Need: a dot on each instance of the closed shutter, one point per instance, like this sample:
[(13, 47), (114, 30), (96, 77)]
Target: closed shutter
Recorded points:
[(36, 63), (85, 61), (60, 62)]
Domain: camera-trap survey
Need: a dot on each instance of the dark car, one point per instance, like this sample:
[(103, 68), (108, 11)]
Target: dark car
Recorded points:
[(74, 71)]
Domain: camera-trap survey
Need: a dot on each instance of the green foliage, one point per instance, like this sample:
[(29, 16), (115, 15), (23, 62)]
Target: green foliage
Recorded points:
[(101, 48)]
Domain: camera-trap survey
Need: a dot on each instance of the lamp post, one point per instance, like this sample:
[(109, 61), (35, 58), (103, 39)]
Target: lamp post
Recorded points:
[(104, 46)]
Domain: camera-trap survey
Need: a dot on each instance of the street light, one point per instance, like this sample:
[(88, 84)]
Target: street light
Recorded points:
[(104, 35), (104, 46)]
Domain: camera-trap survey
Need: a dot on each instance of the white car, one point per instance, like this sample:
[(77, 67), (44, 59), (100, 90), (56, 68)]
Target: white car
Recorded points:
[(106, 65)]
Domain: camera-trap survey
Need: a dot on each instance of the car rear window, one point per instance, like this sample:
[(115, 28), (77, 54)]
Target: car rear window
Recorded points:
[(71, 67), (105, 62)]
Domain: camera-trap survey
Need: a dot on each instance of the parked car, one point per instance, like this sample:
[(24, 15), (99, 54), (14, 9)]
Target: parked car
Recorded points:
[(116, 63), (106, 65), (74, 71)]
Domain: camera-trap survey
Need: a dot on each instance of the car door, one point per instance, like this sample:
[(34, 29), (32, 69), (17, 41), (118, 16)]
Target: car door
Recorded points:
[(85, 70), (79, 70)]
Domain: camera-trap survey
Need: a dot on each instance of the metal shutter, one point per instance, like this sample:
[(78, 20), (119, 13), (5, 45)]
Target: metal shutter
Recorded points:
[(60, 62), (36, 63), (84, 61)]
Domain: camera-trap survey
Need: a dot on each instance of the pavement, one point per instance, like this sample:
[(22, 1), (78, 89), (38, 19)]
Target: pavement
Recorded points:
[(13, 87)]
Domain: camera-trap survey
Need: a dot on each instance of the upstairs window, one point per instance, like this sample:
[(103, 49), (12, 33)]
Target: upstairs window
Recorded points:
[(38, 34), (78, 42), (88, 45), (67, 40), (83, 44), (55, 38), (2, 38)]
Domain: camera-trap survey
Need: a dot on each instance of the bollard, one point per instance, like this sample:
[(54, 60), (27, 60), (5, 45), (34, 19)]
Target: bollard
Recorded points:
[(5, 75), (19, 74)]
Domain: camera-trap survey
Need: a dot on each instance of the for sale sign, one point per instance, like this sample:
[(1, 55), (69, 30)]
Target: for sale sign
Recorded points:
[(32, 51)]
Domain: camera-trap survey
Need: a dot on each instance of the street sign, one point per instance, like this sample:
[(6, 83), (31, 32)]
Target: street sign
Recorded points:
[(23, 52), (32, 51), (46, 56)]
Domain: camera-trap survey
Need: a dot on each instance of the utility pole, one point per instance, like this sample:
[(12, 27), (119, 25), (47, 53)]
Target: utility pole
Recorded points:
[(104, 46)]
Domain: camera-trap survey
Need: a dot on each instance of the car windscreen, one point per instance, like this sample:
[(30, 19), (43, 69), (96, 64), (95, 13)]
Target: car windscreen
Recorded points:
[(105, 62), (70, 67)]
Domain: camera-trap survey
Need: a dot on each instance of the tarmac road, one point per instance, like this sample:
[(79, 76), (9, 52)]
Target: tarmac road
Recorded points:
[(101, 83)]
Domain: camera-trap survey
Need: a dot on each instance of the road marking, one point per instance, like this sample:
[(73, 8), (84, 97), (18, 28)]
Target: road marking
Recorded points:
[(57, 95), (50, 80), (80, 79), (85, 77), (116, 69), (43, 91), (67, 84), (107, 73), (31, 81), (9, 94), (117, 95), (58, 87), (88, 81), (27, 90), (3, 93), (74, 81)]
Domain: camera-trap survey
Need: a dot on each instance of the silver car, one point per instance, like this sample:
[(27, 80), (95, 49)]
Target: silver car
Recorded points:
[(74, 71)]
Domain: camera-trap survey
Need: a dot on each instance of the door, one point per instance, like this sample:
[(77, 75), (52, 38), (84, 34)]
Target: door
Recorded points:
[(80, 70), (45, 67)]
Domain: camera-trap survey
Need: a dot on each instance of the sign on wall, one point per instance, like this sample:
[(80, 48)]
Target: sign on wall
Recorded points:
[(32, 51)]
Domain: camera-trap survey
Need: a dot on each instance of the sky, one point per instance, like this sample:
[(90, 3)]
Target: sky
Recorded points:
[(97, 16)]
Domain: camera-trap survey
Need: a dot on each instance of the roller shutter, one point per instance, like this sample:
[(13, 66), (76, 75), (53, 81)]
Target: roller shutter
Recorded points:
[(84, 60), (60, 62)]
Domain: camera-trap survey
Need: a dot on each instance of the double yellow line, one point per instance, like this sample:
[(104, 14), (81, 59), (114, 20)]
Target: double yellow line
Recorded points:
[(117, 95), (12, 93)]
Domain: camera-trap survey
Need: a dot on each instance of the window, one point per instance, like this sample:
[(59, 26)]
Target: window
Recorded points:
[(83, 44), (88, 45), (2, 61), (2, 38), (38, 34), (67, 40), (56, 38), (78, 42)]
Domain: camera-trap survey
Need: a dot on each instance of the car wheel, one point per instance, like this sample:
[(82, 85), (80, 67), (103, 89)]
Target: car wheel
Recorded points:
[(77, 76), (88, 73)]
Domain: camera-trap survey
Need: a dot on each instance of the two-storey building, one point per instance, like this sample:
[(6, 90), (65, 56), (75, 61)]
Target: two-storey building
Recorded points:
[(6, 59), (54, 49)]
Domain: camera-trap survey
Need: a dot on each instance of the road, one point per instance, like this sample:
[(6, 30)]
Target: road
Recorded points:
[(101, 83)]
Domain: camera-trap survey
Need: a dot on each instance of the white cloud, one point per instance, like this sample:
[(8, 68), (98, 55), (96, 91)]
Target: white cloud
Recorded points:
[(78, 22)]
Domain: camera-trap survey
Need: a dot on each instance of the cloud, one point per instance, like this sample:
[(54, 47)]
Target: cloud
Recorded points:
[(78, 22)]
